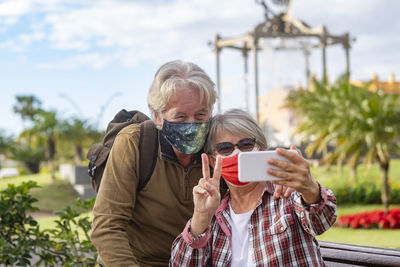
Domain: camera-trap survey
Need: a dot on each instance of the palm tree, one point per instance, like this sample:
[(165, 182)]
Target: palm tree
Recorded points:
[(23, 150), (27, 106), (361, 125), (78, 133), (5, 144), (43, 133), (43, 129)]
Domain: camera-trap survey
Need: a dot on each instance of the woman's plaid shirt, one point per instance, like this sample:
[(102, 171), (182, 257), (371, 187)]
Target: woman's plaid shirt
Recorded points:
[(281, 233)]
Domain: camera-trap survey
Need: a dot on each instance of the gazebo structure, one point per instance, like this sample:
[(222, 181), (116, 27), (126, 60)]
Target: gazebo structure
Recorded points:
[(279, 26)]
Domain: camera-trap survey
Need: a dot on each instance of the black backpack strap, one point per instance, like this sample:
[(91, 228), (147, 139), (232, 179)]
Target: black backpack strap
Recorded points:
[(148, 149)]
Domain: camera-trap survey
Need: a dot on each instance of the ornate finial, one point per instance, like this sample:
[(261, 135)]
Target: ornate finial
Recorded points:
[(268, 11)]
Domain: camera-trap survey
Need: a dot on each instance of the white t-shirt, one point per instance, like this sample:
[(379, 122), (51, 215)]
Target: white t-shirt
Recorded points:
[(241, 254)]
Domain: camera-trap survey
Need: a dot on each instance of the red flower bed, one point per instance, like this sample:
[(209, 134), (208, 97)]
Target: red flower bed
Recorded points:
[(371, 219)]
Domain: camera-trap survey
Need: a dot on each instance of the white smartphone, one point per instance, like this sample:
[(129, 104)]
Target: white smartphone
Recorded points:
[(253, 165)]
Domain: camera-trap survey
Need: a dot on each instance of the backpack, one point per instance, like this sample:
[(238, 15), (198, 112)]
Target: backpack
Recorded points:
[(148, 147)]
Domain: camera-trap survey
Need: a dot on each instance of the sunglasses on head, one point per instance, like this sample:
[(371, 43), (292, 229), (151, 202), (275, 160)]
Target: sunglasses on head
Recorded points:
[(244, 145)]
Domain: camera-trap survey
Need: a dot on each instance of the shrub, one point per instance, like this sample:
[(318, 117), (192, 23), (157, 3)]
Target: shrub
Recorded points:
[(21, 238), (363, 191)]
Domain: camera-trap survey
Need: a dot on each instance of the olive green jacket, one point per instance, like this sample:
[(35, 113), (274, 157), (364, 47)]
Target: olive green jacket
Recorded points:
[(133, 228)]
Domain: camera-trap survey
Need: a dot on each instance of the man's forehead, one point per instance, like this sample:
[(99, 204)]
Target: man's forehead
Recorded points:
[(177, 111)]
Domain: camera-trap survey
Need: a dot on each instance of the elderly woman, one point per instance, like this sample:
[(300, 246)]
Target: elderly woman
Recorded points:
[(250, 227)]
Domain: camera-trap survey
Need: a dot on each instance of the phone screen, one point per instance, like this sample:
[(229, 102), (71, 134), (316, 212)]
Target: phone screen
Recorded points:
[(253, 165)]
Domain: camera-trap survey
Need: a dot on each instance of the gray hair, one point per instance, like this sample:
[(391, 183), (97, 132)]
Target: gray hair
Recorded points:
[(237, 122), (179, 75)]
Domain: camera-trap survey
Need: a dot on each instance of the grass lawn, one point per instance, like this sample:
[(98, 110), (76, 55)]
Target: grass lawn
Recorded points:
[(363, 237), (52, 196)]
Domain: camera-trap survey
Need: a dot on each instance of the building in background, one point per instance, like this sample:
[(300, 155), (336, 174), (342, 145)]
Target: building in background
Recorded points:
[(389, 86), (277, 120)]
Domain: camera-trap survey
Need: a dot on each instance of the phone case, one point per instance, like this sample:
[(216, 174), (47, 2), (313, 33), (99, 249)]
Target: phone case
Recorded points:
[(253, 165)]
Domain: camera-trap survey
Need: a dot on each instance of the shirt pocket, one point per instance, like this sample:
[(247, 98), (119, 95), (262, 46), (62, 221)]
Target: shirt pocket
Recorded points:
[(281, 224)]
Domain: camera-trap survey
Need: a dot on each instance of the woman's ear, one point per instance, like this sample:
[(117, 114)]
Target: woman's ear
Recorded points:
[(211, 160)]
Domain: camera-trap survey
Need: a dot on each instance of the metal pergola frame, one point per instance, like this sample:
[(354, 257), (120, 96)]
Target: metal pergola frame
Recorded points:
[(279, 26)]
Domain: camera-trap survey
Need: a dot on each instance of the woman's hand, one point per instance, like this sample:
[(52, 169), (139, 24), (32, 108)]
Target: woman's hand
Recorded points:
[(295, 174), (206, 196)]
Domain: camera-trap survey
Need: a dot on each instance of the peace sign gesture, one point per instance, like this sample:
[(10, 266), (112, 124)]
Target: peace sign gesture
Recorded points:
[(206, 196)]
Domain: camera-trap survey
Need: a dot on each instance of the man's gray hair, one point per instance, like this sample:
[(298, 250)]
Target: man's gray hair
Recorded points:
[(237, 122), (179, 75)]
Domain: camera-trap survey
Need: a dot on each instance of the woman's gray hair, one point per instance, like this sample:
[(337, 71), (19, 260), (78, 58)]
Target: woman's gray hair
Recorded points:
[(237, 122), (179, 75)]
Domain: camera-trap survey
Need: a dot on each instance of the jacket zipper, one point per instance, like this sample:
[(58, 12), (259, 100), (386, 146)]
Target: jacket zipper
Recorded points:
[(187, 193), (187, 197)]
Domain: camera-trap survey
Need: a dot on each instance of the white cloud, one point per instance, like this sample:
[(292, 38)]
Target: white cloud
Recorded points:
[(14, 8), (134, 30), (98, 33), (94, 60)]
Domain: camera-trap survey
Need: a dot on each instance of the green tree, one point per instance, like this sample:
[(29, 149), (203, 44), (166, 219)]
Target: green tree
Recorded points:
[(359, 124), (27, 106), (78, 133), (30, 155), (44, 131), (5, 144)]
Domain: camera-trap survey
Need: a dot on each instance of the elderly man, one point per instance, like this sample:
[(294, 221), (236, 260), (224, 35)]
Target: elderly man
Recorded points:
[(133, 228)]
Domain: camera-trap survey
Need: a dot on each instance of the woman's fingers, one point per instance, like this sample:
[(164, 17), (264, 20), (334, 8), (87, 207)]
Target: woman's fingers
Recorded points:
[(205, 166), (212, 189), (278, 192), (217, 169), (296, 158), (199, 190), (288, 191), (282, 191)]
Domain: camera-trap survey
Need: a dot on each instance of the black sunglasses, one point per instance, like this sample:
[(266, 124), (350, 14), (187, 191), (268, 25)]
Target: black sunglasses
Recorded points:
[(244, 145)]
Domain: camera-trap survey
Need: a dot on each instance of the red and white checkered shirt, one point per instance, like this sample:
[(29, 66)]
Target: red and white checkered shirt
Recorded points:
[(281, 233)]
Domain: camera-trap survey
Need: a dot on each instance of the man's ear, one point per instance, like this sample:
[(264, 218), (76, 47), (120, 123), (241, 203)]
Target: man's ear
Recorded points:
[(158, 118), (211, 160)]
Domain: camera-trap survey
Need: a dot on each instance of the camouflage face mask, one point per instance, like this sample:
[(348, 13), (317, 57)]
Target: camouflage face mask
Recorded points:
[(186, 137)]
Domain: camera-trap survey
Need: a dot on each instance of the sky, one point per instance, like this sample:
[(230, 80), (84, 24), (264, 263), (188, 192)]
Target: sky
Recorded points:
[(91, 58)]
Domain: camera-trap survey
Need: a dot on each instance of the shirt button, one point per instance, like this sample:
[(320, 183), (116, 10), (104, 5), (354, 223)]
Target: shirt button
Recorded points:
[(250, 226)]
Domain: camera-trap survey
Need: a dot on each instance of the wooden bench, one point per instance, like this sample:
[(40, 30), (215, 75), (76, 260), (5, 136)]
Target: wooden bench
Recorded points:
[(341, 255)]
